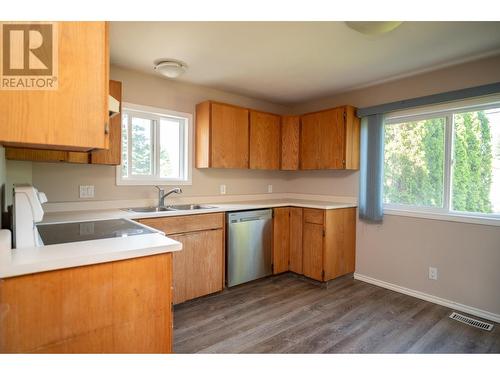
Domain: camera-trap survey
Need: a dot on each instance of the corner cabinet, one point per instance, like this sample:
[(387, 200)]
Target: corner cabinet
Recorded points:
[(222, 136), (330, 139), (319, 244), (73, 116)]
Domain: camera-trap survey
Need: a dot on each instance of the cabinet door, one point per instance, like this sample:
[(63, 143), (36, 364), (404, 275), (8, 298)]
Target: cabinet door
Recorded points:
[(113, 155), (290, 134), (322, 140), (340, 242), (74, 115), (229, 136), (198, 267), (296, 240), (352, 135), (179, 270), (264, 140), (313, 251), (281, 239)]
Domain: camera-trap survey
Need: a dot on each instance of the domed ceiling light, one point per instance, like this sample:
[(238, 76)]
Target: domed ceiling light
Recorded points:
[(170, 68), (373, 27)]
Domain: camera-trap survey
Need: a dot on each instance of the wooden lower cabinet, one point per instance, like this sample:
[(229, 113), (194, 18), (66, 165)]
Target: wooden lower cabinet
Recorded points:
[(312, 257), (281, 239), (198, 269), (319, 244), (116, 307), (296, 218)]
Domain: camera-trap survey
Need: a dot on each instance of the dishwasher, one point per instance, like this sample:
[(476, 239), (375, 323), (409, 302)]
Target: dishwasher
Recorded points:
[(249, 243)]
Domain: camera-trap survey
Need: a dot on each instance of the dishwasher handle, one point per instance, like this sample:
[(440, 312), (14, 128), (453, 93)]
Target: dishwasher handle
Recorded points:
[(253, 218), (248, 216)]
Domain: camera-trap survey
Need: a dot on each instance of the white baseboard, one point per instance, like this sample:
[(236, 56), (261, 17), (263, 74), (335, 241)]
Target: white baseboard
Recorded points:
[(428, 297)]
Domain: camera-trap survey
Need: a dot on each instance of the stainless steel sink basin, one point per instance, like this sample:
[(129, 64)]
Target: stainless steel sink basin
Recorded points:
[(184, 207), (177, 207), (148, 209)]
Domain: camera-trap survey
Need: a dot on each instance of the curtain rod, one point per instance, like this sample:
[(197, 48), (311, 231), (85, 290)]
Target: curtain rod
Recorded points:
[(470, 92)]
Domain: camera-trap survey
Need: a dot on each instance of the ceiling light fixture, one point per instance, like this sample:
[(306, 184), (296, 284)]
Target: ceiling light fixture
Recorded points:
[(373, 27), (170, 68)]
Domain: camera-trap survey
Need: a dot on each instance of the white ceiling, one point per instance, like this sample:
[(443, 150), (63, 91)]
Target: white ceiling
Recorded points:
[(290, 62)]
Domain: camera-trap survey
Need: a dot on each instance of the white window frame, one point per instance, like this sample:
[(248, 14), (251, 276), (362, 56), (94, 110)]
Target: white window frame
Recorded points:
[(186, 147), (445, 111)]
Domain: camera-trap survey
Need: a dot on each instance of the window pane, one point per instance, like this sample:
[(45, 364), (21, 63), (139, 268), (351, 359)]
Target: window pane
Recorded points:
[(414, 163), (141, 146), (170, 151), (124, 155), (476, 161)]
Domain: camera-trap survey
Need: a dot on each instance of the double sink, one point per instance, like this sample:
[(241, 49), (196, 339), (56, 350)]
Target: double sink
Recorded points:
[(177, 207)]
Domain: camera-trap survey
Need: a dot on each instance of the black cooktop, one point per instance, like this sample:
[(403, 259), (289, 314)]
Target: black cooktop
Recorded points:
[(52, 234)]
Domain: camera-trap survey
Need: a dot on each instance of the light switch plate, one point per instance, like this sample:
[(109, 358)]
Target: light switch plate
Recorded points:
[(269, 188), (87, 191), (223, 189)]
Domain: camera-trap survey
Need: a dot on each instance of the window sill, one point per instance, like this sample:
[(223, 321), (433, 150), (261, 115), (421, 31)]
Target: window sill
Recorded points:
[(470, 219)]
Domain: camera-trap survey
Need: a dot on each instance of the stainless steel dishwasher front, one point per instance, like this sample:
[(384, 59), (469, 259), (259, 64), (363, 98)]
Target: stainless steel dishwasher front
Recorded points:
[(249, 243)]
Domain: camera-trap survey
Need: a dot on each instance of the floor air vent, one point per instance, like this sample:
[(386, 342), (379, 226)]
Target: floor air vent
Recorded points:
[(472, 322)]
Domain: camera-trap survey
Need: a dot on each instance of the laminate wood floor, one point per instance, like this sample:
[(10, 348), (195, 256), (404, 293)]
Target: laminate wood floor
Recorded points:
[(286, 314)]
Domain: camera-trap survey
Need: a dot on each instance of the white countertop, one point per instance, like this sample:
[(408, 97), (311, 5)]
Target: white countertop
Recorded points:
[(52, 257), (24, 261), (87, 215)]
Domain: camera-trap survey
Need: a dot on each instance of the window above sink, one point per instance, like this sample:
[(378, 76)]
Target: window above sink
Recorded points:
[(156, 147)]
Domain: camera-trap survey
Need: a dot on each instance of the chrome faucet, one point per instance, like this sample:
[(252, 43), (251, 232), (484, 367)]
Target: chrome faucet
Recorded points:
[(162, 195)]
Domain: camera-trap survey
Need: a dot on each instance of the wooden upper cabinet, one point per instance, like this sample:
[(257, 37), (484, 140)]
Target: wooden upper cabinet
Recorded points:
[(322, 140), (222, 136), (112, 155), (228, 136), (265, 140), (73, 116), (330, 139), (290, 135), (352, 138)]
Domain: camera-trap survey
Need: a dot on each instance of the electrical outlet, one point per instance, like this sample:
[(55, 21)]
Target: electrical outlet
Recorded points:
[(87, 191), (433, 273), (222, 189), (269, 188)]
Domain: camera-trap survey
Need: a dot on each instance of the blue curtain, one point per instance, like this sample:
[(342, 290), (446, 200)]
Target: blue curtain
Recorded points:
[(371, 181)]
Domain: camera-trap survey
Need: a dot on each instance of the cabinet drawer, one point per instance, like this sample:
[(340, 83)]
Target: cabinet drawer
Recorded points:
[(183, 224), (314, 216)]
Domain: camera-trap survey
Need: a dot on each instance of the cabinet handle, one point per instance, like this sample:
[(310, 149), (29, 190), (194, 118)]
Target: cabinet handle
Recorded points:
[(106, 127)]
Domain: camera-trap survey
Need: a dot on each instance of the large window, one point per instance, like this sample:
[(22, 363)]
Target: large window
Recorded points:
[(444, 162), (156, 147)]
